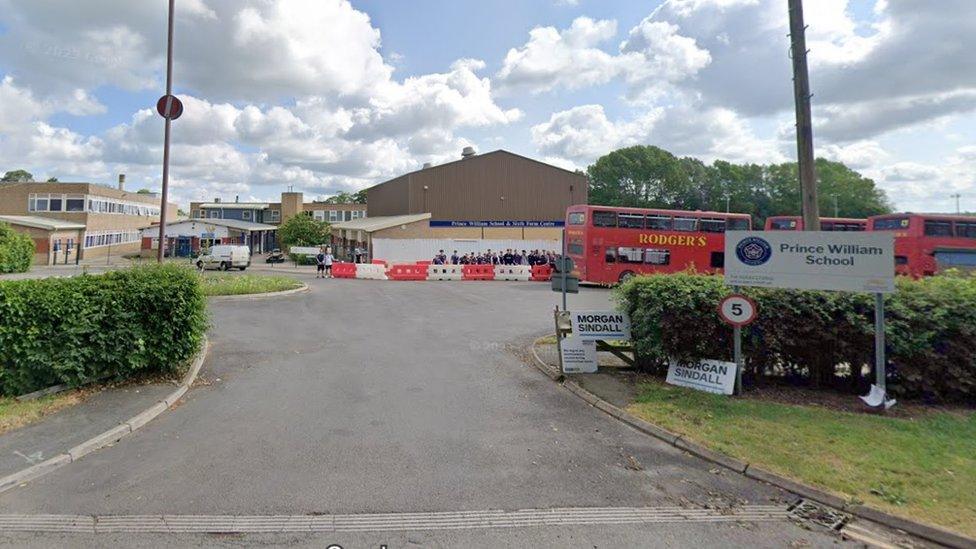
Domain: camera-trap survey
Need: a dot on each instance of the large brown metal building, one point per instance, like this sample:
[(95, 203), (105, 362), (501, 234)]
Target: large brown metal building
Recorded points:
[(493, 200)]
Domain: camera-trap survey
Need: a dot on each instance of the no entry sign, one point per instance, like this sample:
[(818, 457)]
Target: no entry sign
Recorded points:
[(169, 107), (737, 310)]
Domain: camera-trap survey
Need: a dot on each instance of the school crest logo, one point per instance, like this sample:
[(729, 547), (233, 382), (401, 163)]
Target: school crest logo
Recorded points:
[(753, 251)]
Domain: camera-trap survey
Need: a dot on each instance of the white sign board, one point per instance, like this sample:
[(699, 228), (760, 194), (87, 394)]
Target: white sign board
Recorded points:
[(304, 250), (811, 260), (710, 376), (579, 357), (604, 325)]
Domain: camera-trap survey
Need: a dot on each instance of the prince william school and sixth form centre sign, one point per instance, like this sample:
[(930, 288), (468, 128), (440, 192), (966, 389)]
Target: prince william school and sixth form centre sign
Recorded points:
[(815, 260)]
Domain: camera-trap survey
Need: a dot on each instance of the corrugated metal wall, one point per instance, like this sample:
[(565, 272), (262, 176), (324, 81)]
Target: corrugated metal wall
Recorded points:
[(408, 250)]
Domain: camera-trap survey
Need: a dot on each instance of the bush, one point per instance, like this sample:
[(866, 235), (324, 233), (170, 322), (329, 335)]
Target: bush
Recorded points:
[(817, 337), (16, 250), (143, 320)]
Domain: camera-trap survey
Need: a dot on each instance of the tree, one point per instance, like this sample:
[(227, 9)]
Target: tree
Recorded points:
[(639, 176), (144, 191), (52, 180), (18, 176), (303, 230), (16, 250), (343, 197)]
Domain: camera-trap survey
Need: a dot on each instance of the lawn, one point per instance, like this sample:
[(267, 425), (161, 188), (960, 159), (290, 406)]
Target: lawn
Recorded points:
[(15, 414), (241, 284), (923, 468)]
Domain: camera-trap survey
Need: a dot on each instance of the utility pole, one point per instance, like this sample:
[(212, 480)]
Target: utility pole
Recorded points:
[(836, 209), (169, 91), (804, 125), (957, 196)]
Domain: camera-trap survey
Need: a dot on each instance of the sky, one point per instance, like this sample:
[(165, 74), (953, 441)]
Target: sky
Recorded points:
[(335, 95)]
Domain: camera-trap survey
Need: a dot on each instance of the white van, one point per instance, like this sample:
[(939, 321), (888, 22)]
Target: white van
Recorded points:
[(225, 258)]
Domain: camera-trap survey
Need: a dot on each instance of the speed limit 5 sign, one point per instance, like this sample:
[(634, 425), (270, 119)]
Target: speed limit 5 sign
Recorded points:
[(738, 310)]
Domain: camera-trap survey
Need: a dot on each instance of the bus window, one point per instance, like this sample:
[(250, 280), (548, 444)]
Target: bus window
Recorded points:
[(610, 256), (891, 224), (848, 227), (938, 228), (713, 225), (574, 248), (685, 224), (718, 260), (828, 226), (657, 257), (737, 224), (577, 218), (630, 255), (630, 221), (966, 229), (901, 260), (604, 219), (659, 223)]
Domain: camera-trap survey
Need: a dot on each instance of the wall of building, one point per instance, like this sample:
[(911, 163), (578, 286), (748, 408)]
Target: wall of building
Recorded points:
[(417, 249), (422, 230)]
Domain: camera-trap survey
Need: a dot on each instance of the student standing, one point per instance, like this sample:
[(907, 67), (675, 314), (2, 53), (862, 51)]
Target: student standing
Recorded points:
[(328, 262), (320, 264)]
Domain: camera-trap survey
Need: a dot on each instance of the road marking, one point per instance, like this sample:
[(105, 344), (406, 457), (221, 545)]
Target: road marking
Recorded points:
[(32, 458), (459, 520)]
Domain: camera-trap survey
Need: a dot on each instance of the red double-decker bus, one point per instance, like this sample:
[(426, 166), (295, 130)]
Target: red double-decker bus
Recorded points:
[(928, 243), (610, 245), (795, 223)]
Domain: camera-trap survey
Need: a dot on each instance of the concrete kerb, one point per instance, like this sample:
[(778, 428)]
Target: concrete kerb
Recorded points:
[(930, 533), (111, 436), (304, 288)]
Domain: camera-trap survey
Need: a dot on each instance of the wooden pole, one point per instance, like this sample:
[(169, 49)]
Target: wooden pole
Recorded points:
[(804, 125)]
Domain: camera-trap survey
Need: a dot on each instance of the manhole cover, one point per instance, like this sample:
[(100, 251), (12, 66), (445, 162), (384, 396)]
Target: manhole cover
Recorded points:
[(818, 514)]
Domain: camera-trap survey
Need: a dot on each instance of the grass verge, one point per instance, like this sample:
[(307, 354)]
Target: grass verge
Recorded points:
[(922, 468), (15, 414), (241, 284)]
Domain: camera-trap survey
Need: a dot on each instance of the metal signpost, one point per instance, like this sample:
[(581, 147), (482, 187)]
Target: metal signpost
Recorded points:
[(170, 108), (738, 310)]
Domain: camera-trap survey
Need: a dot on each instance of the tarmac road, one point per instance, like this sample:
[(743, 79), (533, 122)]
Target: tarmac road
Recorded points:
[(365, 397)]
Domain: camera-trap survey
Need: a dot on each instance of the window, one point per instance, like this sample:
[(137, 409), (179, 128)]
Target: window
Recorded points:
[(319, 215), (610, 256), (966, 229), (827, 226), (901, 260), (630, 221), (198, 214), (42, 203), (657, 256), (94, 239), (577, 218), (718, 260), (738, 224), (55, 202), (333, 216), (890, 224), (356, 214), (660, 223), (685, 224), (74, 203), (215, 214), (347, 215), (781, 224), (938, 228), (275, 215), (630, 255), (574, 248), (604, 219), (32, 203), (713, 225), (246, 215)]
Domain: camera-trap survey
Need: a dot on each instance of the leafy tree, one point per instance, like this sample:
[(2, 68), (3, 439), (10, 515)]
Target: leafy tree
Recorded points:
[(639, 176), (143, 191), (16, 250), (52, 180), (17, 176), (343, 197), (303, 230)]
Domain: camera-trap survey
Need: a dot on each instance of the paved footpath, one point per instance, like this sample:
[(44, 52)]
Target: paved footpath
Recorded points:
[(364, 398)]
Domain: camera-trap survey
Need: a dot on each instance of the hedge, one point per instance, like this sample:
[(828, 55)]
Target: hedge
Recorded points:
[(819, 338), (143, 320), (16, 250)]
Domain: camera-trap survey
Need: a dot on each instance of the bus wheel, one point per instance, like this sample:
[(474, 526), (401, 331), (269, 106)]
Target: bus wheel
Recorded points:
[(225, 266), (625, 276)]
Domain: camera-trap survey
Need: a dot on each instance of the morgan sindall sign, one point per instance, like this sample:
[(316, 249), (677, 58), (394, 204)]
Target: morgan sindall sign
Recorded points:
[(811, 260)]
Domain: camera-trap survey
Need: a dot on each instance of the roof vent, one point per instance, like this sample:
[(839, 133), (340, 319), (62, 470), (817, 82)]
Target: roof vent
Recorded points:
[(217, 200), (468, 152), (428, 165), (121, 181)]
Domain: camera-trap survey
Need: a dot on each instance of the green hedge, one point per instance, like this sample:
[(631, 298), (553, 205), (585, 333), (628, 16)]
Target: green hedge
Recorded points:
[(821, 338), (143, 320), (16, 250)]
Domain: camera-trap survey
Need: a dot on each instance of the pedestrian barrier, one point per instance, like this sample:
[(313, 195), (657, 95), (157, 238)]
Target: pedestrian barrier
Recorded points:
[(371, 271), (541, 273), (378, 262), (477, 272), (407, 272), (424, 262), (444, 272), (513, 272), (344, 270)]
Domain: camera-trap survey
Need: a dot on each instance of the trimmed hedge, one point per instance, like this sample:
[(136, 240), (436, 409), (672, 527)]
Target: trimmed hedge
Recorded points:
[(821, 338), (16, 250), (143, 320)]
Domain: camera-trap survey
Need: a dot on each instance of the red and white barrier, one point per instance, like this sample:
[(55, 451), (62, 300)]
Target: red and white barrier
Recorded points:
[(477, 272), (444, 272), (371, 271), (407, 272), (513, 272)]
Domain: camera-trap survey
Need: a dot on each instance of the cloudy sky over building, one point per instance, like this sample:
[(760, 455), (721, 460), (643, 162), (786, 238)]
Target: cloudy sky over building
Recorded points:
[(330, 95)]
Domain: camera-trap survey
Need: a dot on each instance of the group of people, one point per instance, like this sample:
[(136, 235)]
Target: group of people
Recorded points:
[(507, 257)]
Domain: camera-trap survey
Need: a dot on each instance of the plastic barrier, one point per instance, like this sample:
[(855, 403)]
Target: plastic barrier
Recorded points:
[(444, 272), (378, 262), (407, 272), (424, 262), (477, 272), (371, 271), (541, 273), (344, 270), (513, 272)]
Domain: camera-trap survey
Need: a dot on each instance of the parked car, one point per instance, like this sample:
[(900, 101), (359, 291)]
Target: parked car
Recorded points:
[(275, 257), (225, 258)]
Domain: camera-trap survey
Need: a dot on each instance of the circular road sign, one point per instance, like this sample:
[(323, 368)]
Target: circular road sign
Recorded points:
[(169, 106), (738, 310)]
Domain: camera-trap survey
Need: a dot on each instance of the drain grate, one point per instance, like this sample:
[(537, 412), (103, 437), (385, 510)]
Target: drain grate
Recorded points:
[(809, 511)]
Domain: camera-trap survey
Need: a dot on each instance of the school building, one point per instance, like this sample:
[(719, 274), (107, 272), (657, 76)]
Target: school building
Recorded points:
[(496, 200), (70, 222)]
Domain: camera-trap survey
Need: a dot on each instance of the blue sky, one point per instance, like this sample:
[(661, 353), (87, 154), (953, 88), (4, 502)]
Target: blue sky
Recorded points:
[(328, 95)]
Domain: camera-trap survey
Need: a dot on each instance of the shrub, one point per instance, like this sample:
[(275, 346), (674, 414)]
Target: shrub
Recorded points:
[(143, 320), (814, 335), (16, 250)]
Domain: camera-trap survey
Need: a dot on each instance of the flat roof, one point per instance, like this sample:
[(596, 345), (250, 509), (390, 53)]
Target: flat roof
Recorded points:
[(230, 223), (370, 224), (236, 205), (36, 222)]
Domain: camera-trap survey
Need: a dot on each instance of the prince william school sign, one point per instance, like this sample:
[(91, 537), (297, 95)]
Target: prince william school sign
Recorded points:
[(814, 260)]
